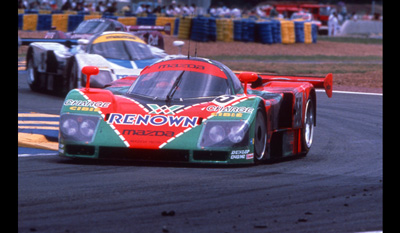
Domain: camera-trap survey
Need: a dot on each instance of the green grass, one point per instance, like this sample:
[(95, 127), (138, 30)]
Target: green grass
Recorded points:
[(287, 68), (295, 58), (357, 40)]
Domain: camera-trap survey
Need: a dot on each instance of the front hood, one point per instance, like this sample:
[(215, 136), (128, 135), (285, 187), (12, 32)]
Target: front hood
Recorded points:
[(79, 36), (154, 125)]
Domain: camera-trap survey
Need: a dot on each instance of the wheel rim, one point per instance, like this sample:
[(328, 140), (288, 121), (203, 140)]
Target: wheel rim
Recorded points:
[(31, 73), (309, 124), (260, 137)]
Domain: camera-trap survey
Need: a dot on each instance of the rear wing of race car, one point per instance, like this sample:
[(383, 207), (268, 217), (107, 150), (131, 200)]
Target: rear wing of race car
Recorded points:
[(325, 83), (135, 28)]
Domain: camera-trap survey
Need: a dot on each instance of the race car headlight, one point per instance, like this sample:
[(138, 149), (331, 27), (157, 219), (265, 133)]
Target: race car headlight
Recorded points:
[(87, 128), (237, 133), (224, 134), (78, 127), (216, 133), (69, 127)]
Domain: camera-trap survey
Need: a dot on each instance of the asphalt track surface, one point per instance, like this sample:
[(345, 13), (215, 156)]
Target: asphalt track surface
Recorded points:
[(336, 188)]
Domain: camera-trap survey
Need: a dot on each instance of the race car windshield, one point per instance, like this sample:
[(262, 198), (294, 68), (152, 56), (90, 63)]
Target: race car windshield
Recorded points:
[(123, 50), (92, 27), (178, 84)]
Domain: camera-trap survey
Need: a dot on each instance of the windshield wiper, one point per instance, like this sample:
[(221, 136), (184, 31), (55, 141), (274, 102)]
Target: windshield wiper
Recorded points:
[(174, 87)]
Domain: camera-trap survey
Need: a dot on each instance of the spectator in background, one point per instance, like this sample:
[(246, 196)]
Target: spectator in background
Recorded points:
[(235, 12), (78, 7), (333, 24), (260, 12), (148, 9), (273, 13), (45, 5), (354, 16), (112, 8), (34, 5), (66, 6), (88, 7), (185, 10), (53, 5), (192, 8), (343, 12), (140, 9), (170, 10), (100, 7), (156, 10), (177, 10), (126, 9), (213, 11), (226, 11), (23, 4)]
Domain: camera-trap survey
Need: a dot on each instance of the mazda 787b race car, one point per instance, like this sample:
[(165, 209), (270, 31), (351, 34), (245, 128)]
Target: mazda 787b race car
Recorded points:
[(191, 110)]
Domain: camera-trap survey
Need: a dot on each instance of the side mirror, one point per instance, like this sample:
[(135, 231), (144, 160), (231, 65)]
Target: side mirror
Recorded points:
[(83, 42), (247, 77), (88, 71)]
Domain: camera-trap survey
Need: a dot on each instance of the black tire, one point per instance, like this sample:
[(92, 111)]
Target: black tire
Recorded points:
[(73, 76), (307, 133), (260, 137), (33, 75)]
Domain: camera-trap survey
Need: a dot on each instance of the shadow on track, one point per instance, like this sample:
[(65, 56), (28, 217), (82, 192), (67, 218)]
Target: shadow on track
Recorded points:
[(143, 163)]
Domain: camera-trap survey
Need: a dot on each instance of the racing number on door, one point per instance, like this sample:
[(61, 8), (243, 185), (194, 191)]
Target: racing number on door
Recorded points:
[(227, 99), (224, 99)]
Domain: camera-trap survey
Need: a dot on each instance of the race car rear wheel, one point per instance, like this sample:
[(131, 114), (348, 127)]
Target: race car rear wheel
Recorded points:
[(260, 137), (308, 128)]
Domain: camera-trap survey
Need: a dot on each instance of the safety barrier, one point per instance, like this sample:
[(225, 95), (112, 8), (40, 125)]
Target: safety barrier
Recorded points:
[(203, 29), (60, 22), (224, 29), (128, 20), (307, 33), (199, 28), (185, 23), (162, 21), (268, 32), (288, 32)]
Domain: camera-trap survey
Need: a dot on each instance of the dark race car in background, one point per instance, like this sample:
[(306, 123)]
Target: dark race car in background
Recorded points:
[(192, 110)]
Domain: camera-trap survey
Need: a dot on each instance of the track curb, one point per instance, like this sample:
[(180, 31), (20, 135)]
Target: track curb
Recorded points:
[(37, 141)]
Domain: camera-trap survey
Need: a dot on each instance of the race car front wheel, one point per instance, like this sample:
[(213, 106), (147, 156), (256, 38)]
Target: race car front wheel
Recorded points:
[(308, 128), (260, 137), (73, 76)]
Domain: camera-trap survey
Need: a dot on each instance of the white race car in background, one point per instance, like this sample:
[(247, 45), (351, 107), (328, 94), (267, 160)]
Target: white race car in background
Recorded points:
[(56, 67)]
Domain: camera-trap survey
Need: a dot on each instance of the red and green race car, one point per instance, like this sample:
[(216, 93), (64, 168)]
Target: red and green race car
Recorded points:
[(192, 110)]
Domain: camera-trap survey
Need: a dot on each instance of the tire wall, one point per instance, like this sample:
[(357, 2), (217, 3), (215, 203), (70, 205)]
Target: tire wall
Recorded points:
[(199, 28)]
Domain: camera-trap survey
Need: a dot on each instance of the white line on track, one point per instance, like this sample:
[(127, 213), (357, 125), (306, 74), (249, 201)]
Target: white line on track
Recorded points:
[(33, 155), (370, 232), (354, 93)]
